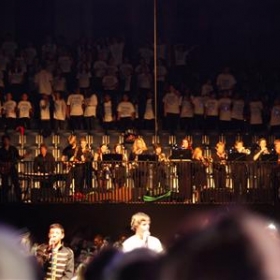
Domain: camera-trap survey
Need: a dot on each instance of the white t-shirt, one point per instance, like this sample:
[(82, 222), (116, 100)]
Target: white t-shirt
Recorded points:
[(43, 80), (144, 80), (146, 53), (116, 50), (256, 108), (90, 106), (24, 108), (212, 107), (108, 114), (186, 108), (65, 63), (109, 82), (134, 242), (237, 111), (10, 109), (126, 70), (84, 79), (59, 84), (30, 54), (149, 111), (125, 109), (172, 103), (45, 110), (16, 78), (206, 89), (275, 115), (225, 81), (161, 73), (225, 109), (59, 110), (100, 67), (76, 101), (198, 102)]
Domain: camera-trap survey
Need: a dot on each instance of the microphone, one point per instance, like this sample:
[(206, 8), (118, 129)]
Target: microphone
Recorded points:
[(51, 243), (146, 237)]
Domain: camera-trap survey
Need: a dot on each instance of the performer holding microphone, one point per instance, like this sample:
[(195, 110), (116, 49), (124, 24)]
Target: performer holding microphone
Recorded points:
[(57, 261), (140, 223)]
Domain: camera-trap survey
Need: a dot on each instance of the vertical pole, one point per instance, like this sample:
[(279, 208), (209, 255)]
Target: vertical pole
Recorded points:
[(155, 69)]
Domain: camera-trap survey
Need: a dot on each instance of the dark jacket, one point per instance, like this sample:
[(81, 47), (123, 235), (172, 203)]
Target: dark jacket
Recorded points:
[(59, 263)]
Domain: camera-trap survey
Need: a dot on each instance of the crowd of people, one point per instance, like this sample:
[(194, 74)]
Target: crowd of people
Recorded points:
[(56, 86), (217, 244)]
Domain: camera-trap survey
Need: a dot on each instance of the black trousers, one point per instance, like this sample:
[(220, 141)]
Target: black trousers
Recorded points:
[(8, 180)]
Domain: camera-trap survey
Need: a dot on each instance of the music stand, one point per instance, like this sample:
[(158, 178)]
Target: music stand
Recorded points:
[(270, 157), (112, 157), (185, 154), (237, 157), (147, 158)]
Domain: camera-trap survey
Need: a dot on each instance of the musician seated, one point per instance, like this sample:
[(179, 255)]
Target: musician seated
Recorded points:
[(44, 163)]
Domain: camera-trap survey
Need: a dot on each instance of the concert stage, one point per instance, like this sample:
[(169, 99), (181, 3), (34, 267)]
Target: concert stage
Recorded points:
[(110, 219)]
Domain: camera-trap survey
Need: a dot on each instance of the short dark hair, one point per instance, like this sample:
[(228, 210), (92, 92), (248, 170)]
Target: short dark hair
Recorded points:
[(43, 145)]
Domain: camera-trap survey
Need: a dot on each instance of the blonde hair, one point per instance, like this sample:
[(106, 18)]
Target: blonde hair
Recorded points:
[(220, 143), (137, 219), (196, 151), (139, 143)]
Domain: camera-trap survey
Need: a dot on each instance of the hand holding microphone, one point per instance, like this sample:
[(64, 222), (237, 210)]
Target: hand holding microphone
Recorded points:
[(146, 235), (51, 243)]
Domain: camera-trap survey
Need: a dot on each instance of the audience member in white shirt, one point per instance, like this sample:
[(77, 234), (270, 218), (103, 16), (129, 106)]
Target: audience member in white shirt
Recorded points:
[(59, 82), (59, 112), (45, 115), (107, 114), (237, 113), (207, 88), (75, 110), (225, 104), (126, 71), (226, 81), (25, 110), (140, 224), (199, 120), (172, 102), (256, 114), (149, 115), (16, 80), (84, 78), (211, 112), (186, 114), (116, 49), (126, 114), (9, 111), (44, 79), (90, 104), (99, 69)]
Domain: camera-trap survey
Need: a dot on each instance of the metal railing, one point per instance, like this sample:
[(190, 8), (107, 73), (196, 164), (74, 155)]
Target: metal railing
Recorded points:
[(180, 181)]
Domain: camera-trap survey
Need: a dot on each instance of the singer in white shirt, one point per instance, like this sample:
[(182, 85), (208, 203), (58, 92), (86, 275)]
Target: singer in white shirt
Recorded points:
[(140, 223)]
